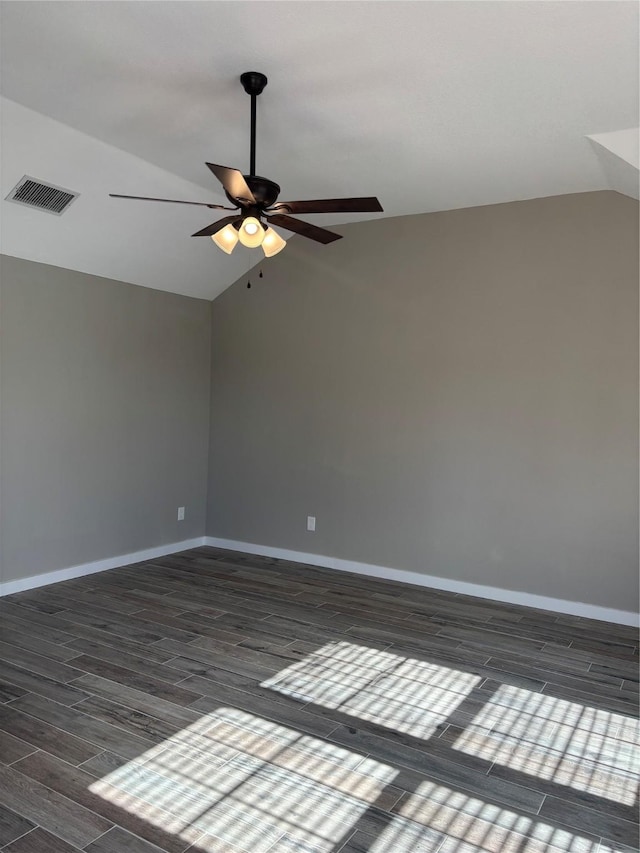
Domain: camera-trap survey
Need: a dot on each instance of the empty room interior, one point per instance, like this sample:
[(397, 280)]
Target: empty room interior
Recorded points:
[(319, 394)]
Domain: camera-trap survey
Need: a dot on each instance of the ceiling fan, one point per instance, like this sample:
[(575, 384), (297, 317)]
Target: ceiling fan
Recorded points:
[(255, 201)]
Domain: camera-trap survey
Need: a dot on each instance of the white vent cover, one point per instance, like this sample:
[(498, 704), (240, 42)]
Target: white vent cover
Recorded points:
[(48, 197)]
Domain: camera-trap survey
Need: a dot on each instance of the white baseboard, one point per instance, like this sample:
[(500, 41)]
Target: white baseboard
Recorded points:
[(556, 605), (541, 602), (9, 587)]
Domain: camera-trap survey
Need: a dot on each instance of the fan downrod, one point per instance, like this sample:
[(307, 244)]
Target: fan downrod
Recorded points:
[(253, 83)]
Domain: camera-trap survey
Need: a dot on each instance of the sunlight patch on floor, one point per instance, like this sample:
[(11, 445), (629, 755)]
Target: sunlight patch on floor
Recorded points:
[(236, 779), (470, 824), (385, 688), (565, 742)]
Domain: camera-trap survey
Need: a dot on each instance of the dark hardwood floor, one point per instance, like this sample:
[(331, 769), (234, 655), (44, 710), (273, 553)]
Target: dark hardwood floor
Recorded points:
[(220, 702)]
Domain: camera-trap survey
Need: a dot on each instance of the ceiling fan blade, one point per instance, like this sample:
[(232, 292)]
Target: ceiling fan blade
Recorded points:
[(171, 201), (320, 235), (331, 205), (216, 226), (233, 181)]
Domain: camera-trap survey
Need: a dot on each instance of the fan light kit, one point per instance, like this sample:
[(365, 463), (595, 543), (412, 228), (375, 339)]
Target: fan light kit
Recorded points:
[(255, 201)]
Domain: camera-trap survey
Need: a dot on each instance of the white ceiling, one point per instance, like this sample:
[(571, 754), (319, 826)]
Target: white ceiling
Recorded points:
[(428, 105)]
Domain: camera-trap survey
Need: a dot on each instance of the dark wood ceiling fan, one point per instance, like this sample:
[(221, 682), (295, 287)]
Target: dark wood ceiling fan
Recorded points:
[(256, 198)]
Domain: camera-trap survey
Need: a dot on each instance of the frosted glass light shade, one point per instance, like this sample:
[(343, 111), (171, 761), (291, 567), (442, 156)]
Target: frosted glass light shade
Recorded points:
[(272, 243), (251, 232), (226, 239)]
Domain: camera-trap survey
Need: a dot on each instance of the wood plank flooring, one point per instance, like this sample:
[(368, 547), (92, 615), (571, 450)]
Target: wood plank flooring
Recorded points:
[(216, 702)]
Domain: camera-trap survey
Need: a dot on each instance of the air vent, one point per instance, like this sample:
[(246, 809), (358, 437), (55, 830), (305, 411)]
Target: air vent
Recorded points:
[(46, 197)]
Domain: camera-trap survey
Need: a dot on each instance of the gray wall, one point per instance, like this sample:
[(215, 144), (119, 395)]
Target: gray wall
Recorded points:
[(454, 394), (104, 413)]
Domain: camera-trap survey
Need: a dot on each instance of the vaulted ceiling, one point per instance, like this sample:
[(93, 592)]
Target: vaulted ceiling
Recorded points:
[(428, 105)]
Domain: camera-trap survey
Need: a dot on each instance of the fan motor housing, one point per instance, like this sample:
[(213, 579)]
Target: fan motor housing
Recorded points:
[(264, 191)]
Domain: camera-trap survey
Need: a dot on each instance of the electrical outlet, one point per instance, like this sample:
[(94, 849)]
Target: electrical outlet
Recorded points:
[(311, 523), (180, 513)]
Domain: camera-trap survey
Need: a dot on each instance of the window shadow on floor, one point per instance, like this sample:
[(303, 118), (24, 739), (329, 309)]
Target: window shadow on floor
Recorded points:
[(402, 771)]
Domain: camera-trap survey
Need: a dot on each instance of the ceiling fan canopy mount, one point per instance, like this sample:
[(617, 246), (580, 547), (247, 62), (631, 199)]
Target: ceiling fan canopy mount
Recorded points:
[(253, 82), (255, 200)]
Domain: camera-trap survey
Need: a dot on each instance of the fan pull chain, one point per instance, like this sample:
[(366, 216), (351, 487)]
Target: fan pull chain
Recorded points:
[(249, 280)]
